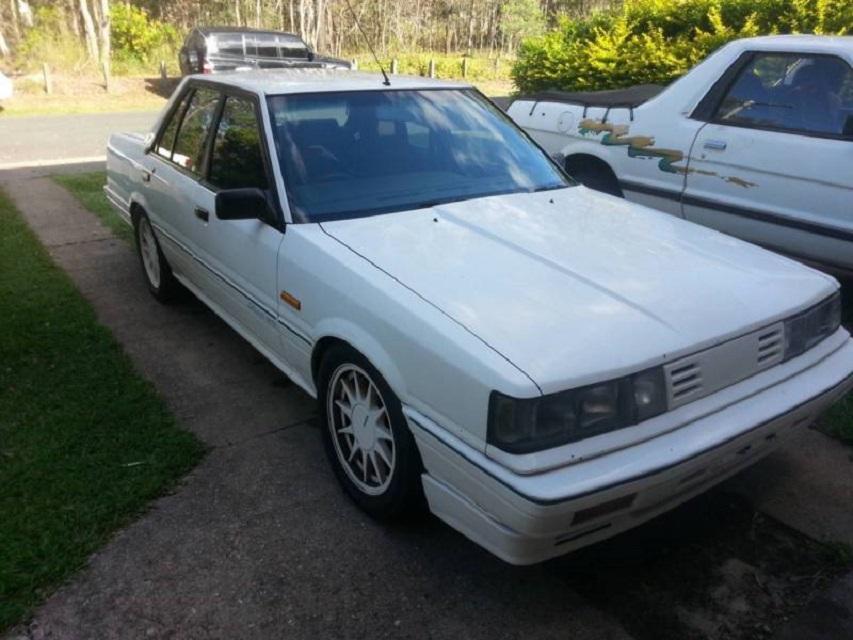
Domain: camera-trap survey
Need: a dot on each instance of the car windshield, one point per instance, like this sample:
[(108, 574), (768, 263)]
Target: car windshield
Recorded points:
[(361, 153)]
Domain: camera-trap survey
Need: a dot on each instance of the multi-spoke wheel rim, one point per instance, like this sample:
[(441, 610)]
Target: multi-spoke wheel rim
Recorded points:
[(148, 249), (361, 429)]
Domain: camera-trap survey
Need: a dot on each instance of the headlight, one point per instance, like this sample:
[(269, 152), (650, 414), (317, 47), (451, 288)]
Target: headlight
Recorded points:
[(525, 425), (805, 330)]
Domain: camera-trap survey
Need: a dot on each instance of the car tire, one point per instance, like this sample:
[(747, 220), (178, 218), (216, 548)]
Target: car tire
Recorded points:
[(155, 269), (366, 437)]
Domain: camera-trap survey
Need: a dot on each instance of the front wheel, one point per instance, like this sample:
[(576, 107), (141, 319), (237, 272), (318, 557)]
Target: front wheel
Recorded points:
[(366, 437)]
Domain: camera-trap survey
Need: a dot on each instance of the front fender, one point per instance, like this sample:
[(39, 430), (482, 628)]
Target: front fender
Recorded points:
[(365, 343)]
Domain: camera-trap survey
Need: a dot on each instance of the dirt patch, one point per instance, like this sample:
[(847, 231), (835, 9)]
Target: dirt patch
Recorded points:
[(714, 569)]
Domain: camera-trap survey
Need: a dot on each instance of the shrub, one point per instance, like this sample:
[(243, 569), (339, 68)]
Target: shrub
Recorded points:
[(655, 41), (139, 40)]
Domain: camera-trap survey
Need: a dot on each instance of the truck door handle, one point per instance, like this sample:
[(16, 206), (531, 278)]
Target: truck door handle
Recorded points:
[(716, 145), (201, 214)]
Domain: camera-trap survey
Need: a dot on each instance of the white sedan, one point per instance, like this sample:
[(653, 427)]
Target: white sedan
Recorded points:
[(545, 365)]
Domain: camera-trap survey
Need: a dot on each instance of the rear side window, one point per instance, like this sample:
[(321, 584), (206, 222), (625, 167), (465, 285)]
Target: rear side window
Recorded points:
[(167, 140), (793, 92), (266, 46), (237, 161), (192, 134), (230, 44)]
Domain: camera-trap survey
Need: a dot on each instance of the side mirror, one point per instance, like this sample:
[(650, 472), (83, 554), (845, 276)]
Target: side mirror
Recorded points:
[(244, 204)]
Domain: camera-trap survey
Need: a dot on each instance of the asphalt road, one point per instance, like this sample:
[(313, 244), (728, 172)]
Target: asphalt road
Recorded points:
[(46, 140)]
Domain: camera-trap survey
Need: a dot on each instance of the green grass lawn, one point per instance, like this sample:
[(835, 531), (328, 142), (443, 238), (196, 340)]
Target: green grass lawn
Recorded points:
[(88, 189), (85, 442)]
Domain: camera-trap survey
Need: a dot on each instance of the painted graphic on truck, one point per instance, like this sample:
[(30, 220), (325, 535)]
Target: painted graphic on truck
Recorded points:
[(640, 146)]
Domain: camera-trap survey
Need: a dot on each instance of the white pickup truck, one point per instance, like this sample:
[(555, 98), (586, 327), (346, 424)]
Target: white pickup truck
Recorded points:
[(756, 141), (544, 364)]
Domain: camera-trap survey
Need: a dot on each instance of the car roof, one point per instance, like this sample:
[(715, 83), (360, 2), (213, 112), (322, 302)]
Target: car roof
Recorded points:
[(800, 42), (214, 30), (301, 80)]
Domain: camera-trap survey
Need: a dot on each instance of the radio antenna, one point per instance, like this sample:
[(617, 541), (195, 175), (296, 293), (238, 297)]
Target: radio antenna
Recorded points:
[(387, 82)]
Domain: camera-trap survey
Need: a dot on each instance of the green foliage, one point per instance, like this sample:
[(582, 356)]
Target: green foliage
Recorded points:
[(655, 41), (137, 39), (50, 40), (522, 18), (447, 66)]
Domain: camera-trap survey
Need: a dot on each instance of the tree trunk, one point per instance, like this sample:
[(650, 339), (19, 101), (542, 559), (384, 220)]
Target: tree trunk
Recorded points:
[(104, 33), (257, 14), (4, 48), (89, 28), (237, 13), (16, 29)]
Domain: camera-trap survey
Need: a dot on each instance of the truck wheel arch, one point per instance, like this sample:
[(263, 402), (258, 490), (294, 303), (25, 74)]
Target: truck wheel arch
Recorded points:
[(593, 172)]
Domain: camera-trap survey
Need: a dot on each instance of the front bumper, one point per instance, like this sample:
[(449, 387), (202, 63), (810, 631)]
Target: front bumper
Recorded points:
[(525, 519)]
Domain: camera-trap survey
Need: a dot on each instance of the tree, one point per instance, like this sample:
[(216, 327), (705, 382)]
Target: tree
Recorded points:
[(521, 19)]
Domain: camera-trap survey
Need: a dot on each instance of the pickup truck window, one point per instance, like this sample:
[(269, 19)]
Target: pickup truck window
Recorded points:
[(194, 128), (361, 153), (236, 161), (792, 92)]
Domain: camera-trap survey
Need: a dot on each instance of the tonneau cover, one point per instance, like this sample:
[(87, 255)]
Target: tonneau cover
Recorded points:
[(629, 97)]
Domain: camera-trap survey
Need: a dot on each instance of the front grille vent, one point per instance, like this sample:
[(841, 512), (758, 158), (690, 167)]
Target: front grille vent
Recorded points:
[(686, 381), (725, 364), (771, 347)]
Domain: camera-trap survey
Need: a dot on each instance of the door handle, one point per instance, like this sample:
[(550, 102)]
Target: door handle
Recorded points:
[(716, 145), (201, 214)]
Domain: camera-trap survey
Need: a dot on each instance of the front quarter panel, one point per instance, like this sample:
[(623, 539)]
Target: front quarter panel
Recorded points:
[(432, 363)]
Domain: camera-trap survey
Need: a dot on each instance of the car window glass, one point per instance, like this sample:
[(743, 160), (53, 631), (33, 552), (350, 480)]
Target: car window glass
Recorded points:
[(360, 153), (236, 161), (167, 140), (267, 46), (810, 94), (192, 134), (229, 44), (292, 48)]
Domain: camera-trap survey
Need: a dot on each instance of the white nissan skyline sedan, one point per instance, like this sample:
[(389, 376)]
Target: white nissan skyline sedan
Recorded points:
[(546, 365)]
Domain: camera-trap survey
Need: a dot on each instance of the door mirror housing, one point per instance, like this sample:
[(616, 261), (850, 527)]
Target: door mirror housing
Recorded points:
[(244, 204)]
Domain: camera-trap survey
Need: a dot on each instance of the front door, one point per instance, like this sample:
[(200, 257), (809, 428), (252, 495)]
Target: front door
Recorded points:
[(773, 164), (243, 253)]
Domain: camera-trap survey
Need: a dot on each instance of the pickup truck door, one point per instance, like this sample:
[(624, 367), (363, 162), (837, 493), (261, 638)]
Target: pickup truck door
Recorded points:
[(772, 165), (241, 255)]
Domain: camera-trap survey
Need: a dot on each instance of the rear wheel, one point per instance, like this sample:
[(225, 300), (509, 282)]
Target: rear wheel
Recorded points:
[(156, 270), (366, 437)]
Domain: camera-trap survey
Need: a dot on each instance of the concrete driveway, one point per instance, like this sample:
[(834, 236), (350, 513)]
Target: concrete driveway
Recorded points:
[(259, 541)]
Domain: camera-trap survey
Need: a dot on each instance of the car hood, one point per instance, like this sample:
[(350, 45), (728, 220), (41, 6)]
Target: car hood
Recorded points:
[(574, 287)]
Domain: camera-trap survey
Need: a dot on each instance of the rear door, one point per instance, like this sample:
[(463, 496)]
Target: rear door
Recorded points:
[(773, 163), (178, 203)]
